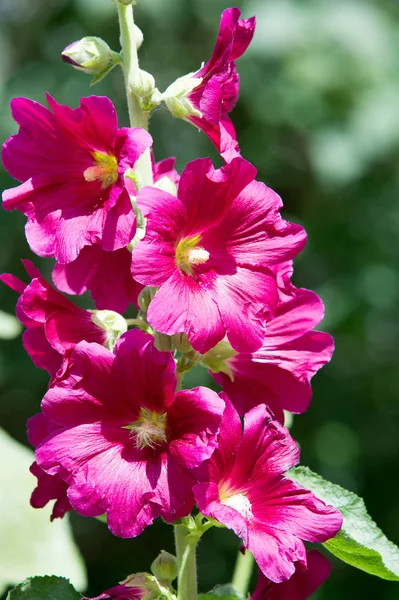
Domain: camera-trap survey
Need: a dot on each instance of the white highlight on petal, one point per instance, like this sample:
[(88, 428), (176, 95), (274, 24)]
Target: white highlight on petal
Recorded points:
[(240, 503), (198, 256)]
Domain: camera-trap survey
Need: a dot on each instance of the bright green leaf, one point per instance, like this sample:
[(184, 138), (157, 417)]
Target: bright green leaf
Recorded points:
[(360, 542), (30, 543), (44, 588)]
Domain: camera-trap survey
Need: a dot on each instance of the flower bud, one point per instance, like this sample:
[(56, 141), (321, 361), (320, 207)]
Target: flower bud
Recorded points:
[(112, 322), (166, 185), (138, 36), (148, 586), (164, 567), (144, 84), (217, 359), (180, 342), (176, 97), (145, 297), (90, 54)]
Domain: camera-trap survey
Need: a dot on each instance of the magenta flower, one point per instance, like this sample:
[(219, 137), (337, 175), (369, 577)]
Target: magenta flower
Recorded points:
[(121, 592), (279, 373), (54, 324), (71, 163), (209, 251), (107, 274), (304, 582), (126, 442), (49, 487), (217, 93), (245, 489)]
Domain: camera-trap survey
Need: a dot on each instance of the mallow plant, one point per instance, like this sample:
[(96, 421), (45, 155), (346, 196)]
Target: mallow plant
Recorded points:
[(206, 257)]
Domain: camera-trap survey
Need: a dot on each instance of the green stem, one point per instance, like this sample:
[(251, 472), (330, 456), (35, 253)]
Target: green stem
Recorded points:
[(243, 572), (137, 117), (186, 563)]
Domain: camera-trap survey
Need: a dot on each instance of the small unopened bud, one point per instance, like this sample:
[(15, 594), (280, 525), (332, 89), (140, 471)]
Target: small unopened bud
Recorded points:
[(112, 323), (166, 185), (176, 97), (147, 585), (90, 54), (138, 36), (217, 359), (144, 84), (180, 342), (164, 567), (145, 297)]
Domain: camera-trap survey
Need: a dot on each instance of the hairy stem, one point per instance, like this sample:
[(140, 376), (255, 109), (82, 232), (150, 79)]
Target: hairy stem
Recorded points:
[(137, 117), (186, 564), (243, 572)]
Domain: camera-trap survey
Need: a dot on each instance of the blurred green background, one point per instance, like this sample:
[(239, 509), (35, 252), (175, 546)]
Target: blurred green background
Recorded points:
[(319, 117)]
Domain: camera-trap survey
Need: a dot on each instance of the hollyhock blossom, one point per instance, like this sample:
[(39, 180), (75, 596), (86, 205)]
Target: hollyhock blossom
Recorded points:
[(218, 85), (54, 324), (121, 592), (49, 487), (304, 582), (72, 164), (279, 373), (107, 274), (245, 489), (209, 251), (126, 442)]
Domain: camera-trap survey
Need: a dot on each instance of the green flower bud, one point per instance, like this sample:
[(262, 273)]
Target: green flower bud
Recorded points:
[(144, 84), (166, 185), (217, 359), (148, 585), (145, 297), (180, 342), (176, 97), (164, 567), (112, 322), (90, 54)]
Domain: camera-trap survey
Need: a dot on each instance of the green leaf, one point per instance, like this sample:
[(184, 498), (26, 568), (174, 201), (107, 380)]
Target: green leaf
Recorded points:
[(30, 543), (44, 588), (222, 592), (360, 542)]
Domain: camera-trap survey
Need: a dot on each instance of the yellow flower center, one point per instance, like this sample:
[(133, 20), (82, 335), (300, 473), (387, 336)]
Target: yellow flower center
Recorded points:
[(238, 501), (149, 429), (189, 253), (105, 169)]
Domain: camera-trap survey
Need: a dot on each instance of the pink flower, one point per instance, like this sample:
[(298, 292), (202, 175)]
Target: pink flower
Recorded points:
[(71, 163), (49, 487), (209, 252), (121, 592), (279, 373), (304, 582), (54, 325), (245, 489), (217, 93), (107, 274), (126, 442)]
